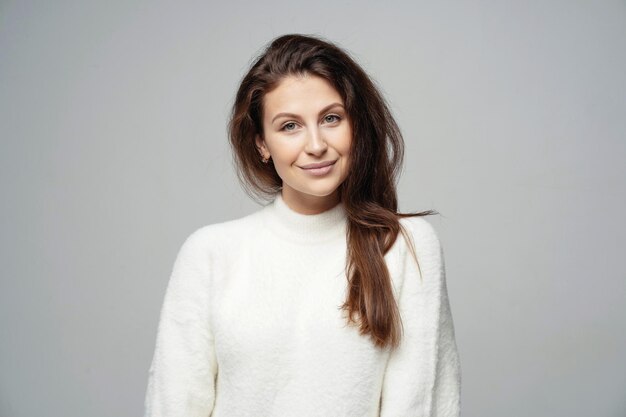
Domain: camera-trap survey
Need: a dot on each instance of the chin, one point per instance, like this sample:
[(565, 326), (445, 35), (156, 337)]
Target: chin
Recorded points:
[(318, 192)]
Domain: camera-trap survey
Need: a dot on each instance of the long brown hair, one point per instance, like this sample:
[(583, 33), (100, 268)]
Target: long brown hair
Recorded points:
[(368, 195)]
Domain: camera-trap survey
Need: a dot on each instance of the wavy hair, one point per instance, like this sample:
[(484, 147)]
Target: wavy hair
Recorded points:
[(369, 196)]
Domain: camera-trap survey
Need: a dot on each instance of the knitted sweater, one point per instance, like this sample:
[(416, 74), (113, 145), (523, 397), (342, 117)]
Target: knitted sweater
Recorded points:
[(251, 326)]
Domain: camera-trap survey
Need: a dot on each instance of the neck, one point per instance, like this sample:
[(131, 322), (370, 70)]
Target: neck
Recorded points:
[(305, 228), (309, 204)]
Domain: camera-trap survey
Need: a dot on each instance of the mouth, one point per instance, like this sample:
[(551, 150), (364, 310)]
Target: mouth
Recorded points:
[(318, 165), (319, 169)]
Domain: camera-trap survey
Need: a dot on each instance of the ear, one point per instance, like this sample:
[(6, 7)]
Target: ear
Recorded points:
[(260, 144)]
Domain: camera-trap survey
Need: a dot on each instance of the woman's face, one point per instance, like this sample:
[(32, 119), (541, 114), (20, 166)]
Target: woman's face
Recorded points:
[(305, 123)]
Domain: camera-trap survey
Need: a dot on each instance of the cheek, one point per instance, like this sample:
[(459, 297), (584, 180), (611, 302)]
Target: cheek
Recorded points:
[(346, 157), (345, 151), (284, 153), (346, 164), (346, 144), (342, 140)]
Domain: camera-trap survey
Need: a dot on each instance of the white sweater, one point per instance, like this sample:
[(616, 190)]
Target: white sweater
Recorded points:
[(251, 326)]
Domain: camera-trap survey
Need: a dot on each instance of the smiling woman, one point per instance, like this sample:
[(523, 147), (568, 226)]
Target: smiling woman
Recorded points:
[(312, 305), (307, 134)]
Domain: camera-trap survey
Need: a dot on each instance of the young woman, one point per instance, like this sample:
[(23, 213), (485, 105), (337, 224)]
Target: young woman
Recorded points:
[(313, 305)]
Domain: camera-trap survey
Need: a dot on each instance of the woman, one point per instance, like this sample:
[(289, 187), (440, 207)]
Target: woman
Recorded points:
[(311, 306)]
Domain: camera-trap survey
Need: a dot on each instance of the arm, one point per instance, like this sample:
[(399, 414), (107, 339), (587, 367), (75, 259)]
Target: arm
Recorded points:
[(183, 369), (423, 376)]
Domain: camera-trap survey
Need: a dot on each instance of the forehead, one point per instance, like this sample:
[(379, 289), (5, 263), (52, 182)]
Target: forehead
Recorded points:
[(300, 93)]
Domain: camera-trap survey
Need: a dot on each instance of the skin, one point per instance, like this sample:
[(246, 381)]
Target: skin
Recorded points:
[(304, 122)]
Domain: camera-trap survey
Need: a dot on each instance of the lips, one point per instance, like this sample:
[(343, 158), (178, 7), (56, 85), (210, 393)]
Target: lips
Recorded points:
[(318, 165)]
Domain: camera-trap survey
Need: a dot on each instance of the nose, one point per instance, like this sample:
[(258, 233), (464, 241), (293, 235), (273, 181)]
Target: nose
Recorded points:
[(315, 143)]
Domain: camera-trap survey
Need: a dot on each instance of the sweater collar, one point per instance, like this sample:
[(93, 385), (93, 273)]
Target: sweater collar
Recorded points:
[(305, 228)]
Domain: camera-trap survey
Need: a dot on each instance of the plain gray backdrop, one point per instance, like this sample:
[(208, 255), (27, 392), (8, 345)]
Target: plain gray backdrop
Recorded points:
[(114, 149)]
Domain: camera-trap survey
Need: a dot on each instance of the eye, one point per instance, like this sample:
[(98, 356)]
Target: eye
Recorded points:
[(288, 126), (331, 118)]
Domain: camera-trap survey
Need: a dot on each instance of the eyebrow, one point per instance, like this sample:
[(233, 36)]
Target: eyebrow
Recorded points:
[(325, 109)]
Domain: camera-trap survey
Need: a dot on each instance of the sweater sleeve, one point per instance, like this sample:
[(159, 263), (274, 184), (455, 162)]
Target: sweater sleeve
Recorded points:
[(423, 376), (181, 379)]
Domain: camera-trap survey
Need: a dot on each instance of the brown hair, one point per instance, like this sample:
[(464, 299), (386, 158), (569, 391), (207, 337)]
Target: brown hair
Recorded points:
[(368, 195)]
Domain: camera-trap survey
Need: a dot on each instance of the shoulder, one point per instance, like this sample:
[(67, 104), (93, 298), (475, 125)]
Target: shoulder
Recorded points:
[(219, 236), (423, 233), (425, 257)]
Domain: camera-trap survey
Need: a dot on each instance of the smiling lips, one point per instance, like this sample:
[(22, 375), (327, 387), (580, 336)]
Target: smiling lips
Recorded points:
[(319, 168), (318, 164)]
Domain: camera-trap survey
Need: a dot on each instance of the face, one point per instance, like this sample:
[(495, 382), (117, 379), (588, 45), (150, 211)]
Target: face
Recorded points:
[(305, 125)]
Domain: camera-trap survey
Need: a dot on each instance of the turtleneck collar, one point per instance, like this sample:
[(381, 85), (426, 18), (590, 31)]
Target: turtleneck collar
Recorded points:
[(304, 228)]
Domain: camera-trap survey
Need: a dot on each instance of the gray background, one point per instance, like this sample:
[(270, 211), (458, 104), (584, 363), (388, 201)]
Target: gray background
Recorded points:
[(113, 150)]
